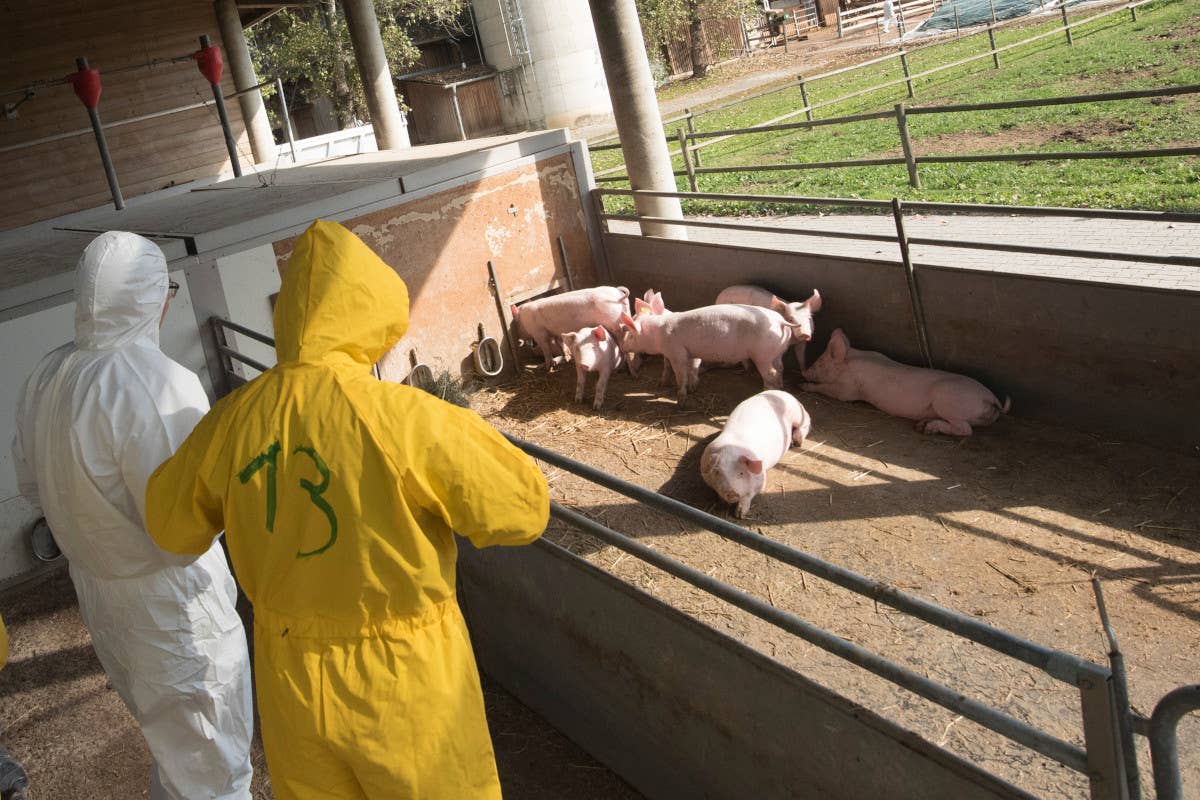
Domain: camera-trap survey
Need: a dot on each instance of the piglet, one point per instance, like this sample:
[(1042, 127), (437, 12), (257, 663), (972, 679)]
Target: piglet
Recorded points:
[(758, 434), (798, 314), (593, 350), (725, 334), (940, 402), (545, 319)]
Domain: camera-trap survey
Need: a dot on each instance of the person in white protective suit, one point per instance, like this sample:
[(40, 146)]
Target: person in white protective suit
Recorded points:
[(95, 418), (889, 15)]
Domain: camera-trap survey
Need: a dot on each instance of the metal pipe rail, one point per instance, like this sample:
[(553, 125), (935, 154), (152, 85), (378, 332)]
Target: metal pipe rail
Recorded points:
[(1164, 754), (131, 120), (1052, 747), (1186, 261), (932, 206), (1069, 669), (242, 329)]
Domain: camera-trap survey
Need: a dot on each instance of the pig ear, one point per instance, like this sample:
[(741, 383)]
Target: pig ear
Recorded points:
[(838, 345), (814, 302), (752, 464), (514, 311), (649, 295), (568, 340), (600, 333), (628, 322), (656, 303), (777, 304), (639, 306)]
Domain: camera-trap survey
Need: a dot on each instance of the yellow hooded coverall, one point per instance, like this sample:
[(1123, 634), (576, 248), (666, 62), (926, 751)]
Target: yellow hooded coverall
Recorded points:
[(338, 494)]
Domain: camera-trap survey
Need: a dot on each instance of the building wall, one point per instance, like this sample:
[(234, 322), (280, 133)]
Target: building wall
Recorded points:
[(441, 245), (40, 41), (560, 83)]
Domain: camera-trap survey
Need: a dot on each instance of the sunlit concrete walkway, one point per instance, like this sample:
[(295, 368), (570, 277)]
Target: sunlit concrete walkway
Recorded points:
[(1111, 236)]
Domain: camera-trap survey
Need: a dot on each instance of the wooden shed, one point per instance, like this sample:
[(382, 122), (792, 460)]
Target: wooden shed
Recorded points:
[(454, 104)]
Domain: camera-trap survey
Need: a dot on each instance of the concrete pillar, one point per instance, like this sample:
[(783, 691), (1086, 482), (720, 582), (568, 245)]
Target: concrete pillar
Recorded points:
[(635, 108), (376, 75), (254, 113)]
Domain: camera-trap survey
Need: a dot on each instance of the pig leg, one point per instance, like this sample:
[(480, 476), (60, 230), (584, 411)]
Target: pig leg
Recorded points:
[(601, 387), (694, 373), (771, 372), (543, 342), (949, 427), (798, 351), (680, 364), (580, 381), (743, 506), (665, 380)]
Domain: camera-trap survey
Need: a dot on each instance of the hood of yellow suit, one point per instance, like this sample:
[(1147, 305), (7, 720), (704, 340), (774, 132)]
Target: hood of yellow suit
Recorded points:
[(338, 300)]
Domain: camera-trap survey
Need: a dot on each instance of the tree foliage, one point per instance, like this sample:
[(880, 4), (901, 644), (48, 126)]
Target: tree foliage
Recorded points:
[(309, 48), (664, 21)]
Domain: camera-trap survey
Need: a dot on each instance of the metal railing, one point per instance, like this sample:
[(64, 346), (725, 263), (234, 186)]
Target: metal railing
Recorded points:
[(1108, 722), (900, 114), (1102, 758), (803, 83)]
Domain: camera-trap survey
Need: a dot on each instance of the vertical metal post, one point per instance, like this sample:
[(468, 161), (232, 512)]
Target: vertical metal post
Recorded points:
[(1101, 737), (110, 172), (598, 205), (904, 66), (1164, 747), (900, 26), (804, 98), (562, 251), (957, 29), (687, 160), (913, 293), (783, 30), (1132, 10), (287, 119), (692, 129), (992, 34), (1116, 662), (462, 131), (839, 21), (505, 322), (223, 115), (1066, 23), (910, 161)]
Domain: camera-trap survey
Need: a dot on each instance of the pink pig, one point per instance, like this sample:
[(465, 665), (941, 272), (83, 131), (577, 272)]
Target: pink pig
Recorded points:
[(800, 314), (593, 350), (758, 434), (940, 402), (546, 319), (713, 333)]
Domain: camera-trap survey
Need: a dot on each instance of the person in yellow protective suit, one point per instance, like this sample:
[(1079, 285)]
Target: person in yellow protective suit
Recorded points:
[(13, 780), (339, 494)]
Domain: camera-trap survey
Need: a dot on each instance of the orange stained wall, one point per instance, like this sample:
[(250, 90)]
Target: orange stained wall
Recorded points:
[(40, 40), (440, 246)]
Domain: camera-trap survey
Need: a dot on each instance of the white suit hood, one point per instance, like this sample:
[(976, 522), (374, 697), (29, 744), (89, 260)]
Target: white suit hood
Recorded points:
[(120, 289)]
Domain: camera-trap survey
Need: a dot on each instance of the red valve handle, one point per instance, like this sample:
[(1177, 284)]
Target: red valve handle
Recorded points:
[(86, 83), (210, 62)]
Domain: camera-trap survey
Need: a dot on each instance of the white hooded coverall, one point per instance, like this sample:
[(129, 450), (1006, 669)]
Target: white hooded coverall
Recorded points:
[(94, 419)]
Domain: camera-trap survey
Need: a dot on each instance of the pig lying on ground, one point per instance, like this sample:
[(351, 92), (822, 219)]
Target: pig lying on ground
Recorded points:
[(758, 434), (940, 402), (593, 350), (798, 314), (713, 333), (546, 319)]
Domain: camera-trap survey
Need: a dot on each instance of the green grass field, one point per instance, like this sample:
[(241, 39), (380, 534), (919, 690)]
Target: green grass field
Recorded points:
[(1112, 54)]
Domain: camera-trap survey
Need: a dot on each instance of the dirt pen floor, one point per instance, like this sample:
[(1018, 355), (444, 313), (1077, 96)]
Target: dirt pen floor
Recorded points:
[(1008, 525), (61, 718)]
